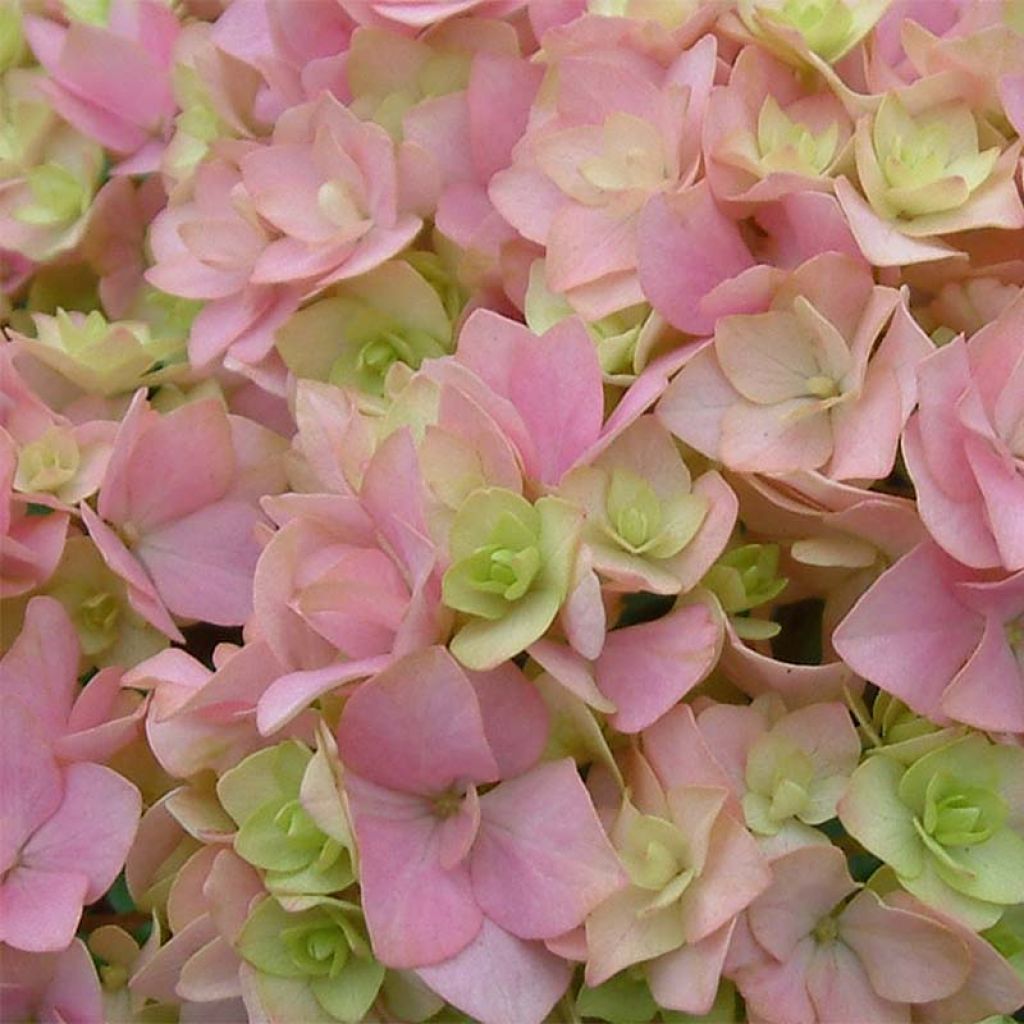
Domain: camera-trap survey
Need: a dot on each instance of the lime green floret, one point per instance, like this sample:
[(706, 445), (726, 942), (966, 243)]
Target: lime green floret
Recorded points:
[(275, 831), (946, 825), (826, 25), (511, 569), (58, 196), (325, 946)]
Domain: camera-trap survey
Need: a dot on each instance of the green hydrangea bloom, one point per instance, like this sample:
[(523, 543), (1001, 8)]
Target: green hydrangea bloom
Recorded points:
[(321, 951), (949, 825), (291, 820), (745, 578), (512, 566)]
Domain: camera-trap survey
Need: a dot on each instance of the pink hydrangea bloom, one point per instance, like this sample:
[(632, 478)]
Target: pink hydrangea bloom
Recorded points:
[(157, 518), (615, 130), (112, 80), (437, 859), (943, 639), (965, 444), (327, 198), (818, 382), (820, 958), (66, 833)]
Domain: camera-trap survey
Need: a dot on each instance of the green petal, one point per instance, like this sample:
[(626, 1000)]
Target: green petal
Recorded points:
[(348, 996), (969, 760), (559, 538), (313, 881), (930, 888), (260, 941), (264, 777), (492, 515), (262, 841), (872, 812), (460, 591), (996, 869), (482, 645)]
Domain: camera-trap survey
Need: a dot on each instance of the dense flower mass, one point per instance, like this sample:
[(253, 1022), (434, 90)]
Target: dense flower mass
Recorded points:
[(512, 511)]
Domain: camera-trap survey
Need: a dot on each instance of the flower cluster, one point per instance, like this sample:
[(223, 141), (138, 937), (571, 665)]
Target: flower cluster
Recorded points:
[(512, 511)]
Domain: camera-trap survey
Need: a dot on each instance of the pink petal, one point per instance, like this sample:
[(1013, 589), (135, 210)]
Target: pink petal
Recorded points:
[(908, 957), (30, 781), (841, 991), (542, 861), (807, 884), (554, 382), (908, 633), (499, 979), (417, 912), (515, 717), (40, 910), (686, 247), (645, 669), (92, 830), (203, 564), (292, 693), (417, 727), (988, 692), (41, 668), (687, 978)]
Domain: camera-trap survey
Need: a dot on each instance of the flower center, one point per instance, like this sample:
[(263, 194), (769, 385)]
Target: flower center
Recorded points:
[(826, 930), (98, 614), (958, 815), (822, 387), (317, 949)]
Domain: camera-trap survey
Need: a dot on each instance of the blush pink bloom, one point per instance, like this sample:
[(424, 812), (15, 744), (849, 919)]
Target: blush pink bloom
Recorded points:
[(697, 265), (614, 130), (786, 769), (766, 134), (818, 382), (348, 584), (693, 868), (944, 639), (545, 393), (41, 670), (200, 720), (327, 198), (437, 859), (471, 135), (66, 833), (913, 211), (176, 514), (965, 447), (112, 82), (197, 968), (60, 986), (823, 960), (650, 526)]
